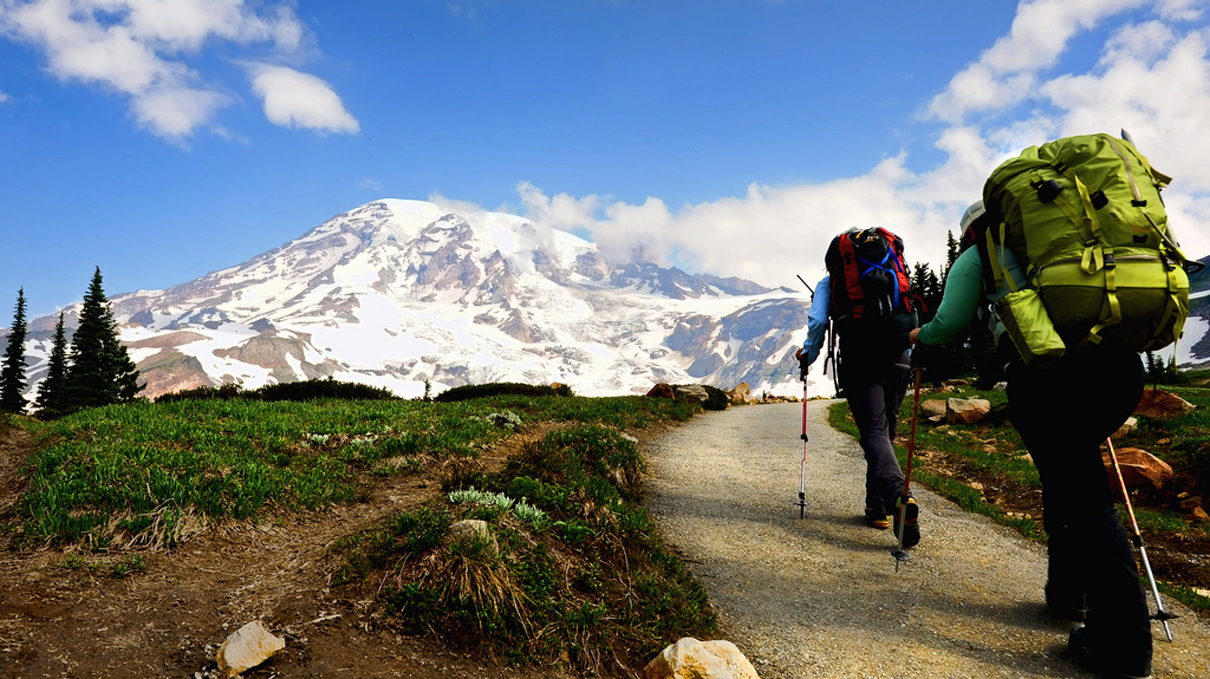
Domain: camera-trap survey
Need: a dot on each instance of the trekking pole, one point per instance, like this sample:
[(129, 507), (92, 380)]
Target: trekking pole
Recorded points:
[(899, 552), (1137, 538), (802, 465)]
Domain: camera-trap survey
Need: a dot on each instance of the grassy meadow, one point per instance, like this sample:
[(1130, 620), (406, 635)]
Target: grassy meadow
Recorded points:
[(573, 568)]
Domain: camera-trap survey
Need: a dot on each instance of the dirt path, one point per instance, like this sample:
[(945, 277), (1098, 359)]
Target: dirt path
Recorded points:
[(819, 597)]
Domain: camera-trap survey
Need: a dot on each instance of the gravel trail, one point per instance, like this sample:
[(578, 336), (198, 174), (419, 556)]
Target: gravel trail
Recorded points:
[(820, 597)]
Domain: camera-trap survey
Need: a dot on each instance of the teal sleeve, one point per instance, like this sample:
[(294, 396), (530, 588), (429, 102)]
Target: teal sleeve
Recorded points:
[(959, 301)]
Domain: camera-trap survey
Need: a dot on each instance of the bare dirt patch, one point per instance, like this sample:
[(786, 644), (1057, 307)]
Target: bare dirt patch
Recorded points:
[(73, 614)]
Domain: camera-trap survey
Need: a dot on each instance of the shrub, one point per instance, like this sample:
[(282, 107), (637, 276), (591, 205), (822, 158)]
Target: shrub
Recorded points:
[(716, 399), (224, 392), (309, 390), (312, 390), (470, 391)]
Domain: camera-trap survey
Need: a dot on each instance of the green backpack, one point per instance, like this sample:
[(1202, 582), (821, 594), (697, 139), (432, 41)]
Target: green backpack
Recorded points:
[(1084, 218)]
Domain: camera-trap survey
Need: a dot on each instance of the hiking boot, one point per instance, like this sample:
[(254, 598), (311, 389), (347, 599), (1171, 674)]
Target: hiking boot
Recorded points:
[(877, 518), (1081, 650), (911, 525)]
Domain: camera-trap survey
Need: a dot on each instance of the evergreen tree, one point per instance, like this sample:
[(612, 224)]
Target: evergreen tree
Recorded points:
[(52, 396), (1152, 372), (12, 371), (101, 371), (928, 286), (951, 252)]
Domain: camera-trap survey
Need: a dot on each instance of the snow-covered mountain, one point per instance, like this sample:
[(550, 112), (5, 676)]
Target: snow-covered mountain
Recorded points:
[(396, 293), (1194, 348)]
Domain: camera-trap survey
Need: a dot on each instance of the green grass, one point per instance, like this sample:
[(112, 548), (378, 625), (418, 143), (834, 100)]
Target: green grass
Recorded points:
[(139, 473), (576, 573)]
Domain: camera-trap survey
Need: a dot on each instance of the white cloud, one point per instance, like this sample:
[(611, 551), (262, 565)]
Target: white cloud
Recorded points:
[(1151, 78), (138, 48), (1005, 73), (296, 99), (767, 235), (371, 184)]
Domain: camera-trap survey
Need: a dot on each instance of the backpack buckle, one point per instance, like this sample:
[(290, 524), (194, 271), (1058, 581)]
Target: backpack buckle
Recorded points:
[(1110, 262)]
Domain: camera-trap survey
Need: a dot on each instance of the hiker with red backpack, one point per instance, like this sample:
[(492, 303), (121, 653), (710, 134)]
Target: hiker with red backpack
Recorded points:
[(867, 297), (1070, 247)]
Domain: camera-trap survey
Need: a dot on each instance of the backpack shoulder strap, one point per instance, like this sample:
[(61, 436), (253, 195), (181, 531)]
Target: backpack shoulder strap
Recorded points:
[(850, 270)]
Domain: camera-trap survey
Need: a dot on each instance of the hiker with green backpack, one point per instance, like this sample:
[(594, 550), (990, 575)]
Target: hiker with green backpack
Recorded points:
[(1070, 256), (867, 299)]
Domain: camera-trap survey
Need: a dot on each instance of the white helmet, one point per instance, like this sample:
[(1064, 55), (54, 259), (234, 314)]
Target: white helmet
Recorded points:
[(972, 213)]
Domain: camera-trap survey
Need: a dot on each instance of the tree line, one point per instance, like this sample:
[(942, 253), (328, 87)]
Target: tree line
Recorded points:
[(93, 370)]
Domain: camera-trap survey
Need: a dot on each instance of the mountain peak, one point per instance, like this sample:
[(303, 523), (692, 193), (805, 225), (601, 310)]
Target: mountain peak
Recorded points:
[(394, 293)]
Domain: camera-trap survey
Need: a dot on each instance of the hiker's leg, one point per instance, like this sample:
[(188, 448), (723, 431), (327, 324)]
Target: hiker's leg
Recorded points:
[(884, 479), (896, 384), (1063, 415)]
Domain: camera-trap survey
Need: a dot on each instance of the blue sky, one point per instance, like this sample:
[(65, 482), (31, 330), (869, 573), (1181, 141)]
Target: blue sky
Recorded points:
[(164, 139)]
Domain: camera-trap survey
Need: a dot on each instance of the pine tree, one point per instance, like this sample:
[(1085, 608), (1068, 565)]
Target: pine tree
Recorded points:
[(12, 372), (101, 372), (52, 396), (951, 252), (1152, 372)]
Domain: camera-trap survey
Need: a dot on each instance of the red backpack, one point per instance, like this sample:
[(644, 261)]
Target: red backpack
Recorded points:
[(869, 277)]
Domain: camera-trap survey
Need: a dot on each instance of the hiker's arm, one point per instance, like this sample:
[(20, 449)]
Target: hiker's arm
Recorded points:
[(959, 301), (817, 319)]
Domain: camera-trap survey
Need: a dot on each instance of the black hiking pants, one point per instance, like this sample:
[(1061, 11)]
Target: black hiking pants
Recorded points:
[(874, 385), (1064, 414)]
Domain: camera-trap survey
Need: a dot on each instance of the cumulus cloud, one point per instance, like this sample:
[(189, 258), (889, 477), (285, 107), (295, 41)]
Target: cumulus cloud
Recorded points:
[(139, 49), (1007, 71), (1152, 77), (296, 99), (767, 235)]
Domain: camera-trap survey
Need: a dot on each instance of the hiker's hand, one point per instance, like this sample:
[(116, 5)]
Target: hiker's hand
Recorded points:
[(798, 354), (914, 336)]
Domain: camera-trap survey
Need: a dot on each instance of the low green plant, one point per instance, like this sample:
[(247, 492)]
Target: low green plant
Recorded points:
[(630, 595), (518, 508)]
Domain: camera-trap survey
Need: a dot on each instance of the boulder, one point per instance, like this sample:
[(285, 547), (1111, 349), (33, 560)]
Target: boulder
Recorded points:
[(246, 648), (691, 393), (661, 390), (469, 529), (1139, 468), (1190, 504), (742, 393), (1162, 405), (693, 659), (966, 410), (933, 410)]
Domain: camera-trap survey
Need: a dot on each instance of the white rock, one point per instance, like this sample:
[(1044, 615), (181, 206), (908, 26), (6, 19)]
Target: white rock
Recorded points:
[(248, 647), (693, 659)]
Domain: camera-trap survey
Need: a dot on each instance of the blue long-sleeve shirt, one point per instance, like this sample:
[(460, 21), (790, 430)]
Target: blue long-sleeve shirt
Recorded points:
[(817, 318)]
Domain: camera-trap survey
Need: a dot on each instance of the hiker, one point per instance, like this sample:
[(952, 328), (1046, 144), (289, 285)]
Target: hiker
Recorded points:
[(866, 294), (1064, 412)]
